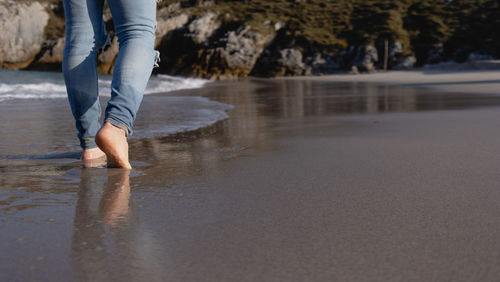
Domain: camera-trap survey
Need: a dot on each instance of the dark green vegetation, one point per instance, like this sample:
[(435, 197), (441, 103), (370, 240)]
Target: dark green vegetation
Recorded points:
[(454, 27)]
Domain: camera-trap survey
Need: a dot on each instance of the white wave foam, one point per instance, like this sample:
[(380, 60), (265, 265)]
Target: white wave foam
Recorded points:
[(158, 84), (44, 90), (166, 83), (36, 85)]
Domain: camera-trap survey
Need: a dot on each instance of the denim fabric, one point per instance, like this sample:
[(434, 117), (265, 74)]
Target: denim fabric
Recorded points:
[(135, 25)]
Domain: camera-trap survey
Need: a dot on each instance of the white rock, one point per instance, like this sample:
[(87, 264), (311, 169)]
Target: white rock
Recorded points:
[(202, 28), (22, 28), (166, 24)]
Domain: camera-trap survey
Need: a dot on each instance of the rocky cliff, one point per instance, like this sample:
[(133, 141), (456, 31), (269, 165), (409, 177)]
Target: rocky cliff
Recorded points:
[(22, 32), (230, 39)]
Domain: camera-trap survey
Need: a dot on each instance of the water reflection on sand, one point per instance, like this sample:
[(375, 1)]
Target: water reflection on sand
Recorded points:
[(108, 242), (100, 224)]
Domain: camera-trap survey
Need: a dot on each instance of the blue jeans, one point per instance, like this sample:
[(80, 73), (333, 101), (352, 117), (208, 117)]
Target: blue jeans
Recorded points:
[(135, 24)]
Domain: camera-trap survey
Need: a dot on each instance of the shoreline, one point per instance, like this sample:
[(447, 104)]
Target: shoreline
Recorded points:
[(459, 81)]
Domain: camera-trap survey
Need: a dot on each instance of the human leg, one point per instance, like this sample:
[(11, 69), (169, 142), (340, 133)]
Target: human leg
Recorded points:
[(84, 36), (135, 22)]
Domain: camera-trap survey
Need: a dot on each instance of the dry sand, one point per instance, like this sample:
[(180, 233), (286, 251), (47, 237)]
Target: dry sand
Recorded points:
[(464, 81), (307, 180)]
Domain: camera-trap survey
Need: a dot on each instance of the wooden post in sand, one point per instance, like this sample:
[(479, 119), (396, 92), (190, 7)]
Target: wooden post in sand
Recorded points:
[(386, 53)]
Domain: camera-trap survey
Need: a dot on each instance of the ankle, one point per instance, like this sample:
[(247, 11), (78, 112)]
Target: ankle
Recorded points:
[(116, 128), (92, 153)]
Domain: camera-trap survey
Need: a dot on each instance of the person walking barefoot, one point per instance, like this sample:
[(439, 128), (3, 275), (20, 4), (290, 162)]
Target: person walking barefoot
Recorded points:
[(135, 24)]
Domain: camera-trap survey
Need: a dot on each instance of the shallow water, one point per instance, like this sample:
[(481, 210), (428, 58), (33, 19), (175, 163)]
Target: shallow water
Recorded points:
[(45, 128), (180, 214)]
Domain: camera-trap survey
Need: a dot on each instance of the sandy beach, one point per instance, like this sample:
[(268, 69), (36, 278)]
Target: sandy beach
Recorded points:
[(452, 80), (381, 177)]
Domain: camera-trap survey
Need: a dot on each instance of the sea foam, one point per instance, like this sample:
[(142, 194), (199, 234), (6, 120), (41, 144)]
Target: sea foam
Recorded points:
[(45, 85)]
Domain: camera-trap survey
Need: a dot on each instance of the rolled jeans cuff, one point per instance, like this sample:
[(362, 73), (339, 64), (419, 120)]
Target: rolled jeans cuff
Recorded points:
[(88, 143), (120, 124)]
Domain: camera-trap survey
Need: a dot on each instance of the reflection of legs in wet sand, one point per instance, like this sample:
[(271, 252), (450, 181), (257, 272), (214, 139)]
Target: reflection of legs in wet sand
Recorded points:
[(114, 203), (103, 195), (102, 209)]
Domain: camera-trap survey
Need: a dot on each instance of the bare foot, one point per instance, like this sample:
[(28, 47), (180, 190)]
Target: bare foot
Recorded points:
[(90, 154), (113, 142), (93, 157)]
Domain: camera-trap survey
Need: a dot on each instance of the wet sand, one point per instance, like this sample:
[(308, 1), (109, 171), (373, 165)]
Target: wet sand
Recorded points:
[(305, 181)]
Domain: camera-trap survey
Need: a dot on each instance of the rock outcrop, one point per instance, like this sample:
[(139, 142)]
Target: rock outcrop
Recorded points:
[(52, 52), (205, 47), (321, 64), (167, 23), (231, 39), (365, 59), (200, 29), (107, 56), (280, 62), (22, 28), (240, 51)]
